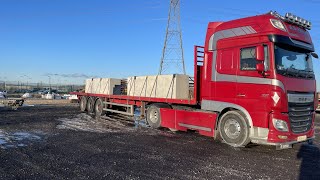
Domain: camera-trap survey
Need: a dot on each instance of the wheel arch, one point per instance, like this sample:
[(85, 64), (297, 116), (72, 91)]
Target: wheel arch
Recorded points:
[(224, 107)]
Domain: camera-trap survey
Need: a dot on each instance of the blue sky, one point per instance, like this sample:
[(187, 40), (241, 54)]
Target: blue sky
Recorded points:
[(121, 38)]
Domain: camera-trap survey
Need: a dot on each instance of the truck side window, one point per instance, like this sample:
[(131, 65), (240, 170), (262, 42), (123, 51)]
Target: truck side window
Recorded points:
[(248, 59)]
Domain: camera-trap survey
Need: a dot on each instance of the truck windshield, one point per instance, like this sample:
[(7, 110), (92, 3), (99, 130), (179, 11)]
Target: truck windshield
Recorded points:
[(293, 62)]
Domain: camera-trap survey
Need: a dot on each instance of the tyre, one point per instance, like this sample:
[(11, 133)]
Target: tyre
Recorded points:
[(83, 104), (90, 105), (153, 115), (234, 129), (21, 102), (98, 108)]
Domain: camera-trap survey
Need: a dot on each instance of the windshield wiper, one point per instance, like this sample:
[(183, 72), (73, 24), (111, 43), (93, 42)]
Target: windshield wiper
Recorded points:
[(292, 72)]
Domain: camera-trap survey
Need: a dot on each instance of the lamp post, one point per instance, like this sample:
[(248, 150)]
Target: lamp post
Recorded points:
[(49, 83), (5, 84)]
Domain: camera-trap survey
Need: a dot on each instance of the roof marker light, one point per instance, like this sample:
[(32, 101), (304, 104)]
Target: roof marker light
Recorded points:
[(293, 19), (278, 24)]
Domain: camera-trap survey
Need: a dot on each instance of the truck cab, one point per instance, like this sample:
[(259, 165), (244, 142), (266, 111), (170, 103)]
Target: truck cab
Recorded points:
[(260, 67)]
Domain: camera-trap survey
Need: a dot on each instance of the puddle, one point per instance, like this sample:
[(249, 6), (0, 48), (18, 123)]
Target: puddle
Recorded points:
[(17, 139)]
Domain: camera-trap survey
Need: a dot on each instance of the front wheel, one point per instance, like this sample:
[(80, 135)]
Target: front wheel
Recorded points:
[(234, 129)]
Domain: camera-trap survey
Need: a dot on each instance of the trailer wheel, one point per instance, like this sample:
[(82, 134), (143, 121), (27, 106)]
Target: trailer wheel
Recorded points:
[(83, 104), (153, 115), (234, 129), (98, 108), (90, 105)]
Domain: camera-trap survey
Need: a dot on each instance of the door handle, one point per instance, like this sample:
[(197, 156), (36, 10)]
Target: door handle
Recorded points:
[(241, 95)]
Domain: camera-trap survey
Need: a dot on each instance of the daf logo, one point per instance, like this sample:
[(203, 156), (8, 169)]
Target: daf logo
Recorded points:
[(303, 99)]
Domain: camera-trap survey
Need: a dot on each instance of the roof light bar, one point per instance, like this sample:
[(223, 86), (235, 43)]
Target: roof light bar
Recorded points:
[(293, 19)]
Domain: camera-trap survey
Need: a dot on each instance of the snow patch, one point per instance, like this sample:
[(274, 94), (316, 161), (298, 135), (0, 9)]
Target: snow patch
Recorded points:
[(17, 139), (84, 122)]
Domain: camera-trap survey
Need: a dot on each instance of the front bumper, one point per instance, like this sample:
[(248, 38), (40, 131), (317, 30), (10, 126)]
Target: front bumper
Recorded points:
[(285, 140), (282, 145)]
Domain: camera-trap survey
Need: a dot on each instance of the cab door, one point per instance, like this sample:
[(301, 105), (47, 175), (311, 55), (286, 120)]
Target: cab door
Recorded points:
[(253, 88)]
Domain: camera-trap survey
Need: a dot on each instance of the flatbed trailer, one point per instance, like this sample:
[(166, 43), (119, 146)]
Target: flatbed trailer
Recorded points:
[(243, 89), (188, 116)]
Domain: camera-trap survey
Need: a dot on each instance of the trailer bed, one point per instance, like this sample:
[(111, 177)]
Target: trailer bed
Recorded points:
[(124, 99)]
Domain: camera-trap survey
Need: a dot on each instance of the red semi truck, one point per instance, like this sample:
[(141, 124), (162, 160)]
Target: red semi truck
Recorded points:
[(253, 82)]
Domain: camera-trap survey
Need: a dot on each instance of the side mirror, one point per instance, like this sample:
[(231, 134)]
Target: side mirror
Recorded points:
[(315, 55), (260, 67), (260, 53)]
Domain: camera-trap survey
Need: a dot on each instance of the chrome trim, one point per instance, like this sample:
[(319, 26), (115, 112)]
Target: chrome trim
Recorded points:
[(228, 33), (300, 98), (195, 127), (245, 79), (276, 82), (217, 77)]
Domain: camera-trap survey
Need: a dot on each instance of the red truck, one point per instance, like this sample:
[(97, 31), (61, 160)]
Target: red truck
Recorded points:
[(253, 83)]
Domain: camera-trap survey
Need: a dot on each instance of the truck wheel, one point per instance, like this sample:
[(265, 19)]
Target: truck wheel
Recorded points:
[(153, 115), (90, 105), (98, 108), (234, 129), (83, 104), (21, 102)]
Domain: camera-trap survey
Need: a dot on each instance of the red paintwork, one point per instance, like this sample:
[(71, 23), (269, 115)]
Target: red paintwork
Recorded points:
[(257, 100), (132, 100), (172, 117)]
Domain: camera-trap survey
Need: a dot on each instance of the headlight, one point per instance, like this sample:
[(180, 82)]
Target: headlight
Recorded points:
[(280, 125), (278, 24)]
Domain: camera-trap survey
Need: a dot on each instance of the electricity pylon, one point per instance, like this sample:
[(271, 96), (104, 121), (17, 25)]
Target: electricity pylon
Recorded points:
[(172, 60)]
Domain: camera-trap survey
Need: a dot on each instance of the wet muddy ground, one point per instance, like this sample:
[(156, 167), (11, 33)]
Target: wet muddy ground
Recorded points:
[(59, 142)]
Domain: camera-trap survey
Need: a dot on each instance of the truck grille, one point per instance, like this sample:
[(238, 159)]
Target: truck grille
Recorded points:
[(300, 115)]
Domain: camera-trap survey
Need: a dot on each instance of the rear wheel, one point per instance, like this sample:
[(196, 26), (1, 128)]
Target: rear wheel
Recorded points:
[(234, 129), (83, 104), (153, 115), (90, 105), (98, 108)]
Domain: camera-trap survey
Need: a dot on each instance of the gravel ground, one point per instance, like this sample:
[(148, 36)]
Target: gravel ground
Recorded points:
[(58, 142)]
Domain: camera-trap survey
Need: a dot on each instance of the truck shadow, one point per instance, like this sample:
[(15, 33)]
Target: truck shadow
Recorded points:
[(310, 162)]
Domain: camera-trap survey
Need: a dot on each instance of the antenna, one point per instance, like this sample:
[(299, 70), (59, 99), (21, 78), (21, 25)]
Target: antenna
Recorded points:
[(172, 60)]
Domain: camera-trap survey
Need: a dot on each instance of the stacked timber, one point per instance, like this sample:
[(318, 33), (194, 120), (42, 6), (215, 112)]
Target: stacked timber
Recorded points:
[(102, 85), (174, 86)]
